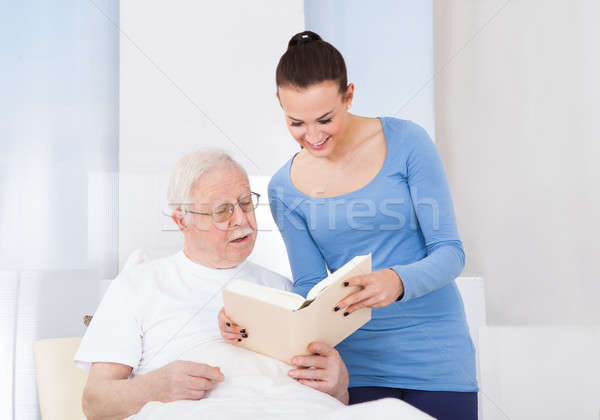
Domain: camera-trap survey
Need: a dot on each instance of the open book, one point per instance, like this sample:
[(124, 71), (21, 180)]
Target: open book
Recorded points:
[(282, 324)]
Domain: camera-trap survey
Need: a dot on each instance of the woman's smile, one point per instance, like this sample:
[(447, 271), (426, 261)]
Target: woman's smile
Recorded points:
[(320, 145)]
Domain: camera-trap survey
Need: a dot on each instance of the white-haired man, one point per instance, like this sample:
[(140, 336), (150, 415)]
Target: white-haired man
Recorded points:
[(154, 312)]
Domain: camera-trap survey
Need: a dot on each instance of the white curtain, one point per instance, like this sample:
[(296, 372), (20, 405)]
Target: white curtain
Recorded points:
[(58, 178)]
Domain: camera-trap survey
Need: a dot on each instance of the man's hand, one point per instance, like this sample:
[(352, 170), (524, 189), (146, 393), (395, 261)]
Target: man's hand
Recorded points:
[(324, 370), (379, 289), (182, 380), (231, 332), (110, 393)]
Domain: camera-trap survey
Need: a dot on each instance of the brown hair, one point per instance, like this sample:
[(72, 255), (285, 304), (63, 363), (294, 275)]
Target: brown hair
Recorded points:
[(308, 61)]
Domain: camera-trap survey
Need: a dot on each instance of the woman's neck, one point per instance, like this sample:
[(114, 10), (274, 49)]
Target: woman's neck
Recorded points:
[(346, 142), (357, 130)]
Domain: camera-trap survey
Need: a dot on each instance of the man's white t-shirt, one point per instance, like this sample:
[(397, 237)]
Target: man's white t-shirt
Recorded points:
[(153, 313)]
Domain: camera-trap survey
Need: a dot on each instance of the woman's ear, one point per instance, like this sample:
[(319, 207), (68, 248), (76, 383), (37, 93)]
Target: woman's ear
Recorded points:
[(349, 95)]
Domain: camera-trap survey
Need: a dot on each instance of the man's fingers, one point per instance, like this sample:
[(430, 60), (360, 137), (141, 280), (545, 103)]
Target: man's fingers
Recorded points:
[(321, 348), (310, 361), (195, 395), (204, 371), (318, 385), (307, 374), (195, 383)]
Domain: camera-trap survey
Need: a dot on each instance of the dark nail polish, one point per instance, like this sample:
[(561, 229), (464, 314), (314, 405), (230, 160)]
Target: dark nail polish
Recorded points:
[(245, 335), (337, 308), (239, 339), (228, 324), (346, 313), (346, 283), (243, 330)]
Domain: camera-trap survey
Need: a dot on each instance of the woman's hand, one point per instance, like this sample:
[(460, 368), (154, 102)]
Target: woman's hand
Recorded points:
[(324, 371), (231, 333), (379, 289)]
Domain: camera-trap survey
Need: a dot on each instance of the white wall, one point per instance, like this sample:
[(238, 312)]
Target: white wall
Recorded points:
[(388, 48), (517, 98), (540, 372), (195, 74), (181, 89)]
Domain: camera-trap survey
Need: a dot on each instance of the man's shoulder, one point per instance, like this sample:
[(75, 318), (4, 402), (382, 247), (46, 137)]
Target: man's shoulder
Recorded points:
[(144, 274), (262, 275)]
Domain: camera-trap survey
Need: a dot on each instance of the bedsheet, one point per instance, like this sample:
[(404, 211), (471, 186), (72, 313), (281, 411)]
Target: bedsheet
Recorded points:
[(257, 386)]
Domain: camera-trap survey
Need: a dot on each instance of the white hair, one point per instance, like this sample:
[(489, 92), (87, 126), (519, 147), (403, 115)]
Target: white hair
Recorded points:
[(189, 169)]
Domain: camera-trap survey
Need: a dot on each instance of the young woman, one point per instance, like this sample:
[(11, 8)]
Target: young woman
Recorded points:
[(374, 185)]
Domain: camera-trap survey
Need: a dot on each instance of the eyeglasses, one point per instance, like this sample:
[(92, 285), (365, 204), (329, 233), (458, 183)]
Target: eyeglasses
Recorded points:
[(224, 212)]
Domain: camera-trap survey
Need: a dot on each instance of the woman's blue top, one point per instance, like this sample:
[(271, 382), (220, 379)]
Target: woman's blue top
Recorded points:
[(405, 218)]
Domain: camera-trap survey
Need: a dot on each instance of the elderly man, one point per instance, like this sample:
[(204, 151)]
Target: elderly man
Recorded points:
[(155, 312)]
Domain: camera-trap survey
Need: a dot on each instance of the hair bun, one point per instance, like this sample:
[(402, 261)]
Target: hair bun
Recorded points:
[(303, 38)]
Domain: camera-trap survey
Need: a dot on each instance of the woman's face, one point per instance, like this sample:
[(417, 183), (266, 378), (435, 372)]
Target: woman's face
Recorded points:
[(316, 116)]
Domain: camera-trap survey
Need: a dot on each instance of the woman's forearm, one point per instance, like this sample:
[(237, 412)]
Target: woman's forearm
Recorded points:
[(436, 270)]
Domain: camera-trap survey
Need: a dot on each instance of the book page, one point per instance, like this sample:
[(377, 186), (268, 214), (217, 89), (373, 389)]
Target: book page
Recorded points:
[(281, 298), (353, 265)]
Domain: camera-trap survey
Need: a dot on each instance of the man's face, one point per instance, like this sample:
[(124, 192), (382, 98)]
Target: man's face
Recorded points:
[(223, 244)]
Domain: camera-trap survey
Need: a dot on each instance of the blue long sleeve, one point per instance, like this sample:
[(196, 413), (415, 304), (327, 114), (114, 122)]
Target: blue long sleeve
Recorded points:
[(432, 202)]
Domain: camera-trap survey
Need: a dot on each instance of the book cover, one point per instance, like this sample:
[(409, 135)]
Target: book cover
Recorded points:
[(282, 324)]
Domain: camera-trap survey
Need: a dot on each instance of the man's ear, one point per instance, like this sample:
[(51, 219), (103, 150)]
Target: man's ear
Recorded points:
[(179, 218)]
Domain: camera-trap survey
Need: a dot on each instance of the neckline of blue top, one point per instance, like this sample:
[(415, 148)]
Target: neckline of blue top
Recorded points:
[(288, 176)]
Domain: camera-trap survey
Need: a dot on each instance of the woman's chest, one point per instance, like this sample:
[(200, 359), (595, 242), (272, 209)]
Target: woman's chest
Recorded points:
[(383, 207), (321, 178)]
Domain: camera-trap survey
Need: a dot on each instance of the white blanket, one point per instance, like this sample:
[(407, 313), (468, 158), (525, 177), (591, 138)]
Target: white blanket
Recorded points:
[(257, 386)]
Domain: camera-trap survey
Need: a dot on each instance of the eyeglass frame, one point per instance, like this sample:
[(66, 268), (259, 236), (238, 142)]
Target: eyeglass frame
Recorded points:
[(230, 206)]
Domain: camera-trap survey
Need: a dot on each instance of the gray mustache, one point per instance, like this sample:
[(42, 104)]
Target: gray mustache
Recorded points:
[(240, 234)]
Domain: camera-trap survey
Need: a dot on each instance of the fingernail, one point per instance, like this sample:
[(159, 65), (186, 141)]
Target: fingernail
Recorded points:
[(228, 324), (337, 308), (346, 283), (239, 339), (346, 313), (243, 330), (245, 335)]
